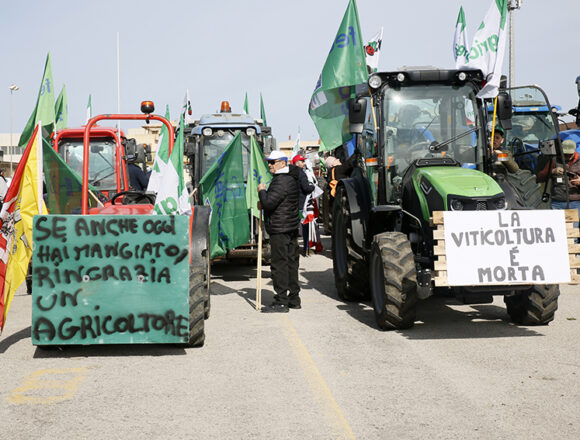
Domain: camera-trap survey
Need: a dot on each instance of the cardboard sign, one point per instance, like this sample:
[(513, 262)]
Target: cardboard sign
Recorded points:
[(506, 247), (110, 279)]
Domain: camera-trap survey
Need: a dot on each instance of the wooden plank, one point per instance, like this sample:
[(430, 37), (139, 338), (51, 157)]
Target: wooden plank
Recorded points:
[(571, 215), (571, 231), (440, 265), (574, 261), (440, 279), (439, 233), (574, 277), (437, 218), (439, 249), (573, 248)]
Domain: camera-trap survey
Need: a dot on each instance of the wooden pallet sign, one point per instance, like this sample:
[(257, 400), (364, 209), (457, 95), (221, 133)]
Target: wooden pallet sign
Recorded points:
[(441, 256)]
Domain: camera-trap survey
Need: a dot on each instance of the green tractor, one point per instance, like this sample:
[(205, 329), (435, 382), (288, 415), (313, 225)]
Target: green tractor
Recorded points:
[(428, 150)]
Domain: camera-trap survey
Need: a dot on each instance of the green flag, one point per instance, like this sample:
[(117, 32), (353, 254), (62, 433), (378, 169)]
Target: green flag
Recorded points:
[(61, 110), (262, 111), (63, 185), (222, 188), (44, 109), (246, 111), (258, 173), (344, 68)]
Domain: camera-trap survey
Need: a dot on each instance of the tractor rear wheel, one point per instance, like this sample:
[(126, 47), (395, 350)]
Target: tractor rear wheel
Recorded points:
[(536, 306), (393, 279), (529, 190), (350, 271), (197, 299)]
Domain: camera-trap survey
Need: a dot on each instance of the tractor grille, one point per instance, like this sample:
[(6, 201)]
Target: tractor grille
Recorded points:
[(481, 206), (477, 204)]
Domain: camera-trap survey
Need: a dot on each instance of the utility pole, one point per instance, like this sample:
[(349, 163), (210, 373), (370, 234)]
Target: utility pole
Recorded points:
[(512, 6), (12, 89)]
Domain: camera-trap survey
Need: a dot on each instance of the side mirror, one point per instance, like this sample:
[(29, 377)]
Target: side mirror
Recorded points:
[(95, 149), (130, 147), (357, 111), (504, 110)]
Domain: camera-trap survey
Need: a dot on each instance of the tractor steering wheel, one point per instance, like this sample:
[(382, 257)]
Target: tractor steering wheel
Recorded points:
[(138, 196)]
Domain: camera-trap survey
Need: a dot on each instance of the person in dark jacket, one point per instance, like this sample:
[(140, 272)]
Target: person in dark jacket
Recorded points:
[(305, 188), (280, 205), (137, 177)]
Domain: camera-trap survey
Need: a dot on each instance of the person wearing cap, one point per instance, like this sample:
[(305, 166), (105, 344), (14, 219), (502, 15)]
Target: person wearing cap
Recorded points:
[(280, 205), (554, 170)]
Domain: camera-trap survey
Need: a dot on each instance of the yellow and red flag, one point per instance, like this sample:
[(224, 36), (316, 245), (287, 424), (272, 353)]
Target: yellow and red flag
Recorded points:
[(22, 202)]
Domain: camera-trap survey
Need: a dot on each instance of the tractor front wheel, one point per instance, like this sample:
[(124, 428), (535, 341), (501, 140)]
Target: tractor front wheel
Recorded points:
[(536, 306), (197, 300), (393, 280)]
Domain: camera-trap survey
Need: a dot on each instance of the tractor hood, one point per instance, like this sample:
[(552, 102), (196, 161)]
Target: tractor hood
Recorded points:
[(443, 188), (458, 181)]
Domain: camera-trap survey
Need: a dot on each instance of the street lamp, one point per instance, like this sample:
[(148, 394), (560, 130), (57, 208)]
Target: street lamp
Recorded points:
[(12, 89), (512, 6)]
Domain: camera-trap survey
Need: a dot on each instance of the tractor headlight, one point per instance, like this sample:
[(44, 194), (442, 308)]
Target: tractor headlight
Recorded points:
[(250, 131), (456, 205), (375, 81), (462, 76), (207, 131), (500, 203), (401, 77)]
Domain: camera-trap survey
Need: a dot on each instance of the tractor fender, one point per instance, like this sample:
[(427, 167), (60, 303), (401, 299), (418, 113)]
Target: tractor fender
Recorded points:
[(199, 234), (358, 193)]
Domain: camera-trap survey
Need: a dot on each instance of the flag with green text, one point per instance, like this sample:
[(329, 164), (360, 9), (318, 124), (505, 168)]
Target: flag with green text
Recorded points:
[(161, 157), (488, 47), (222, 188), (61, 110), (460, 41), (344, 68), (44, 109), (258, 173), (172, 196)]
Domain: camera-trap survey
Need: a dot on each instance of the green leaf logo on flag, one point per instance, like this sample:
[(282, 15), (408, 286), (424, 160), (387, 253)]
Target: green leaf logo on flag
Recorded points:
[(61, 110), (172, 197), (222, 188), (44, 110), (344, 68), (258, 173)]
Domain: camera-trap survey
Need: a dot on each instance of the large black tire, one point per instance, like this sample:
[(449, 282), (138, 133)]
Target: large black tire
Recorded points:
[(528, 189), (350, 270), (536, 306), (393, 280), (197, 298)]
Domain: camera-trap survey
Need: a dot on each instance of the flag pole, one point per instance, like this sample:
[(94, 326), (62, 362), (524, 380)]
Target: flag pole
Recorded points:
[(39, 169), (259, 265)]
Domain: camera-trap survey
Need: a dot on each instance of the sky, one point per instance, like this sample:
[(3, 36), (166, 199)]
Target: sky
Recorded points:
[(220, 50)]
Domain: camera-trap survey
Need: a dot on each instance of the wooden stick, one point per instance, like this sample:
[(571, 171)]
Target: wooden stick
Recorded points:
[(259, 265)]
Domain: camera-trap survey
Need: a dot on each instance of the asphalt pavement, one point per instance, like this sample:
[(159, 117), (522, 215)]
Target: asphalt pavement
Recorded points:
[(322, 372)]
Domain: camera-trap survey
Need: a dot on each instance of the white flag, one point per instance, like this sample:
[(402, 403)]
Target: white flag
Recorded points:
[(161, 157), (172, 196), (460, 41), (186, 110), (373, 50), (488, 47)]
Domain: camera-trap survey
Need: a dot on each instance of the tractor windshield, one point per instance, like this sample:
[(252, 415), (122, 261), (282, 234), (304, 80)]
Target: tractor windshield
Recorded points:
[(532, 123), (213, 146), (418, 118), (102, 174)]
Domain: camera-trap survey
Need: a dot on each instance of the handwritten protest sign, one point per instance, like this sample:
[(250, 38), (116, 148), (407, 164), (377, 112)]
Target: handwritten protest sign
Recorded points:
[(506, 247), (110, 279)]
